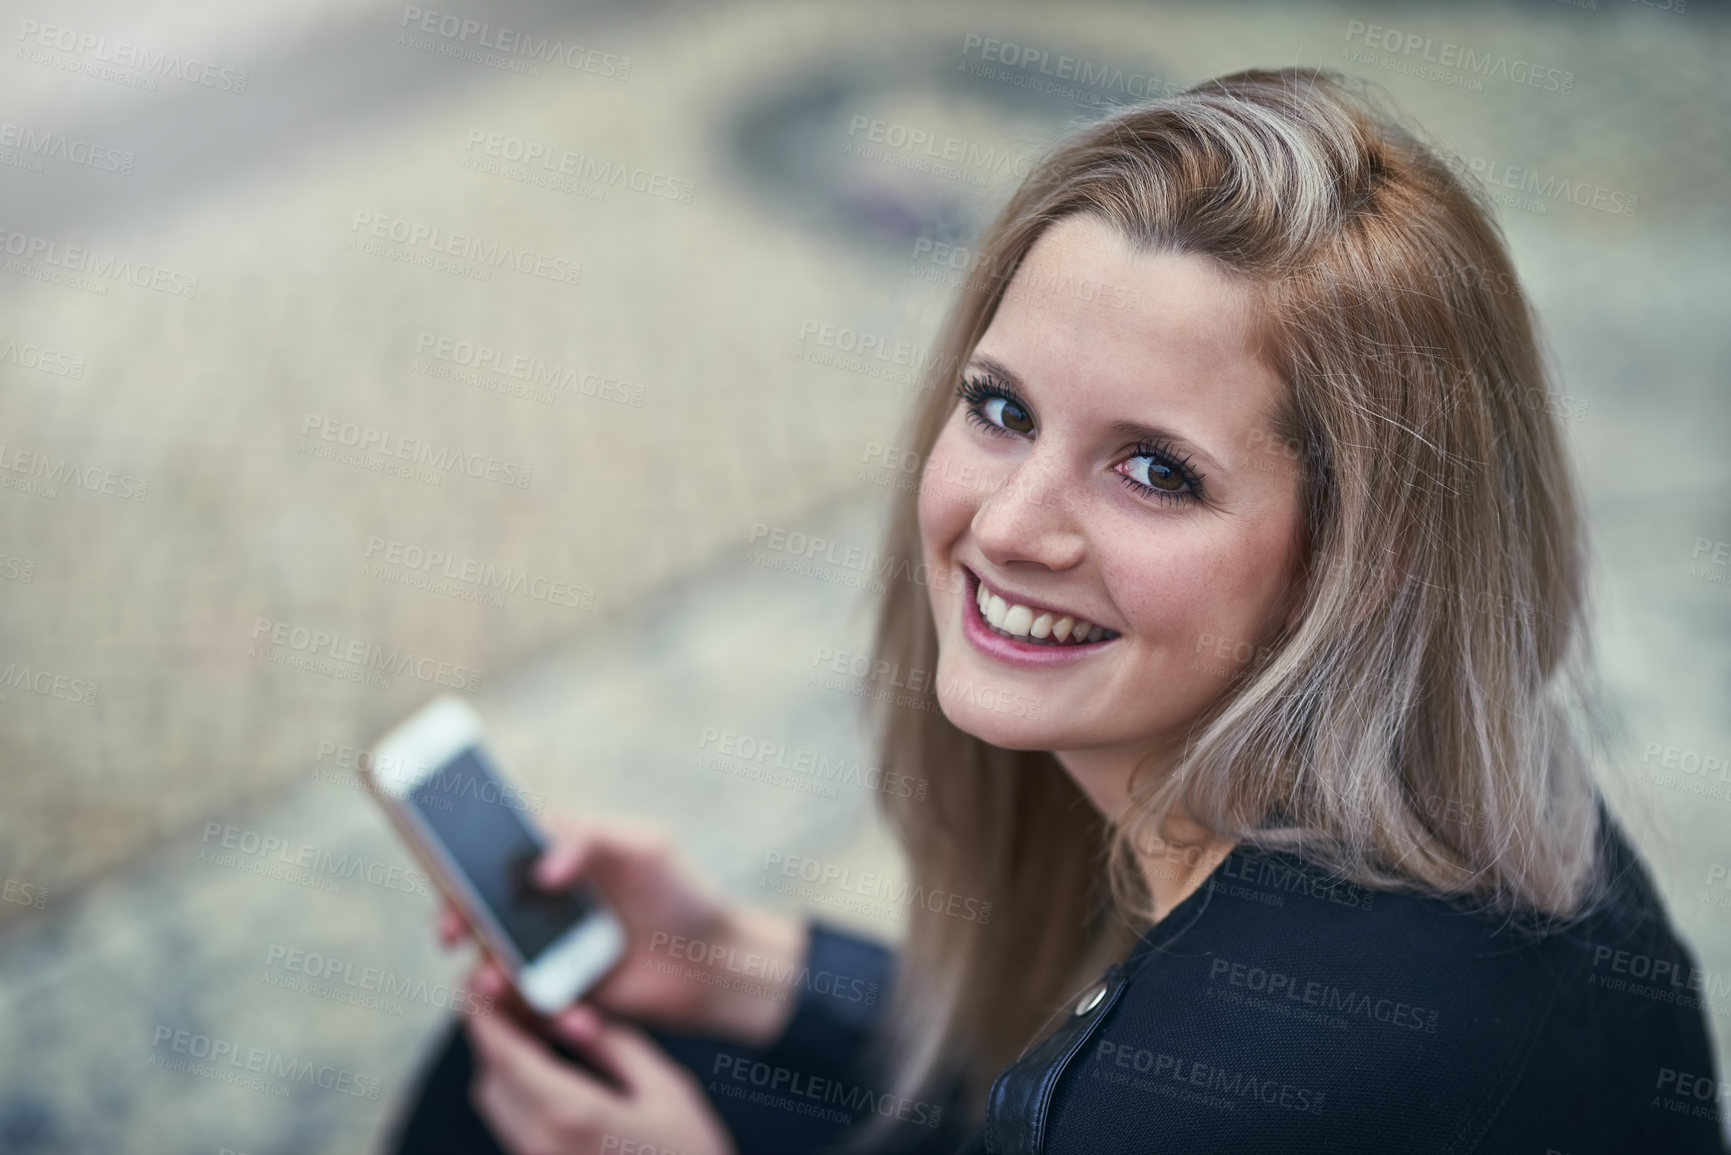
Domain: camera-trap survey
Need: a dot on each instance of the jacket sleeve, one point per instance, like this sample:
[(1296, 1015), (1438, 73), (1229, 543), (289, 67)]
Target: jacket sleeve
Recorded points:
[(843, 996), (780, 1099), (842, 992), (815, 1084)]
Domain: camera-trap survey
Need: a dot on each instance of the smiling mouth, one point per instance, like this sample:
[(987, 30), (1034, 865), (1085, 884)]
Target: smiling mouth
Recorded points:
[(1029, 625)]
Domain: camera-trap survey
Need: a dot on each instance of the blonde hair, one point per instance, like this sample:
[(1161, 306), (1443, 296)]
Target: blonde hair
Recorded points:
[(1418, 725)]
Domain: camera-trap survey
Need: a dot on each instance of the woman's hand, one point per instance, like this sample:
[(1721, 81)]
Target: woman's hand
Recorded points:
[(692, 961), (537, 1104)]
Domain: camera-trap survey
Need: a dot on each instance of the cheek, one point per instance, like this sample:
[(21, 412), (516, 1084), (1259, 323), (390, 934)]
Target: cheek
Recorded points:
[(1195, 589), (947, 504)]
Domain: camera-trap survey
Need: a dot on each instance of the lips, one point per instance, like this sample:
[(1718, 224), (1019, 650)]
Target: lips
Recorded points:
[(1010, 617)]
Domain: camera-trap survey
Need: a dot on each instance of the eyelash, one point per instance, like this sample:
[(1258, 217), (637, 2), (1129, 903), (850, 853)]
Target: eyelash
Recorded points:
[(976, 391), (1166, 455)]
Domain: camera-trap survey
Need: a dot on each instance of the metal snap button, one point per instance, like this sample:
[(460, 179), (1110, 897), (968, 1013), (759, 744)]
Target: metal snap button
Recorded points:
[(1095, 996)]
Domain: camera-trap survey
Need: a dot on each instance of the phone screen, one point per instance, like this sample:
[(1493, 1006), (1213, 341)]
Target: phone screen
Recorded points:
[(480, 822)]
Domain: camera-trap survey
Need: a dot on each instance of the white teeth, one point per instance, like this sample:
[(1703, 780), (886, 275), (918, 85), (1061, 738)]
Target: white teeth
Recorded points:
[(1022, 621)]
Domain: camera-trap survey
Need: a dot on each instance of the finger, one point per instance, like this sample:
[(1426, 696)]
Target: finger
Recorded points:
[(578, 1024), (507, 1051), (500, 1099), (563, 864), (581, 846), (488, 979), (624, 1052), (507, 1115), (531, 1078), (453, 928)]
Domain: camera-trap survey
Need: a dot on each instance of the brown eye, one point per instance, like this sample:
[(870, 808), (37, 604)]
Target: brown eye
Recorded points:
[(1154, 473), (1160, 471), (1003, 411)]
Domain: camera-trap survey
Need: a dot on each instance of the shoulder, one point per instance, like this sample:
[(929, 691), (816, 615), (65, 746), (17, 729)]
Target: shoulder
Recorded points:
[(1370, 1001), (1278, 996), (1477, 968)]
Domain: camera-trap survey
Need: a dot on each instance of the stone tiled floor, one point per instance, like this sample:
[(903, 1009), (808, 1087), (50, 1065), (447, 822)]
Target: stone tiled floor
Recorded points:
[(190, 939)]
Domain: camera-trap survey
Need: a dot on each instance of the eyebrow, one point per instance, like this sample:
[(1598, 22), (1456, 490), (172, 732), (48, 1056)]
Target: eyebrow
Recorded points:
[(1131, 429)]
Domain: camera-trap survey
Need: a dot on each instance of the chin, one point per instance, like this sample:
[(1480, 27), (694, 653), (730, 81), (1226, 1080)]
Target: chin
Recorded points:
[(994, 710), (996, 729)]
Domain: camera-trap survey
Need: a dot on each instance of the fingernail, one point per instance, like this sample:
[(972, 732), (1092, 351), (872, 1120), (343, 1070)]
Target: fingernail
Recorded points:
[(546, 869), (581, 1024)]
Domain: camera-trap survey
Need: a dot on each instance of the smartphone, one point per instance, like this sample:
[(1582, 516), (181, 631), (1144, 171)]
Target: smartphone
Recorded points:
[(441, 784)]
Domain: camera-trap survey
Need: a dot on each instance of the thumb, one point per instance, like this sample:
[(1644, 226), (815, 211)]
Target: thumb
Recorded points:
[(578, 1025), (563, 864), (616, 1047)]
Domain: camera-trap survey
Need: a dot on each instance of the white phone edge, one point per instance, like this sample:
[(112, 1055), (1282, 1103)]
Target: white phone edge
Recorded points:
[(424, 743)]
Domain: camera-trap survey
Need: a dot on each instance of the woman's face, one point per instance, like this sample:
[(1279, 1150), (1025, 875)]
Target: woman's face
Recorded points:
[(1111, 464)]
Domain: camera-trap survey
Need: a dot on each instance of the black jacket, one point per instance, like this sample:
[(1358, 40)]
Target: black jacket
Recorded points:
[(1271, 1011), (1274, 1010)]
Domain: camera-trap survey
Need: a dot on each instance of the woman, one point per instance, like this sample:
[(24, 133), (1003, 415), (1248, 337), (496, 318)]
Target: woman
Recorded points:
[(1261, 675)]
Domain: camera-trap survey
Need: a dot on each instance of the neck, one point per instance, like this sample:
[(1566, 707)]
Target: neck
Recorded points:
[(1176, 860)]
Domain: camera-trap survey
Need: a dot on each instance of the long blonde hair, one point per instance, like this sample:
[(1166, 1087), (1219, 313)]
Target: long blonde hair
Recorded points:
[(1418, 727)]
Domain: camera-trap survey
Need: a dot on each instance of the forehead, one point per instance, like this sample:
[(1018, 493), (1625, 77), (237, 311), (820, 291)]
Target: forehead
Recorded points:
[(1167, 329)]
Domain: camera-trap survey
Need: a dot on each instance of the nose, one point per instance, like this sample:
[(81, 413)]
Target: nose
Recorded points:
[(1031, 517)]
